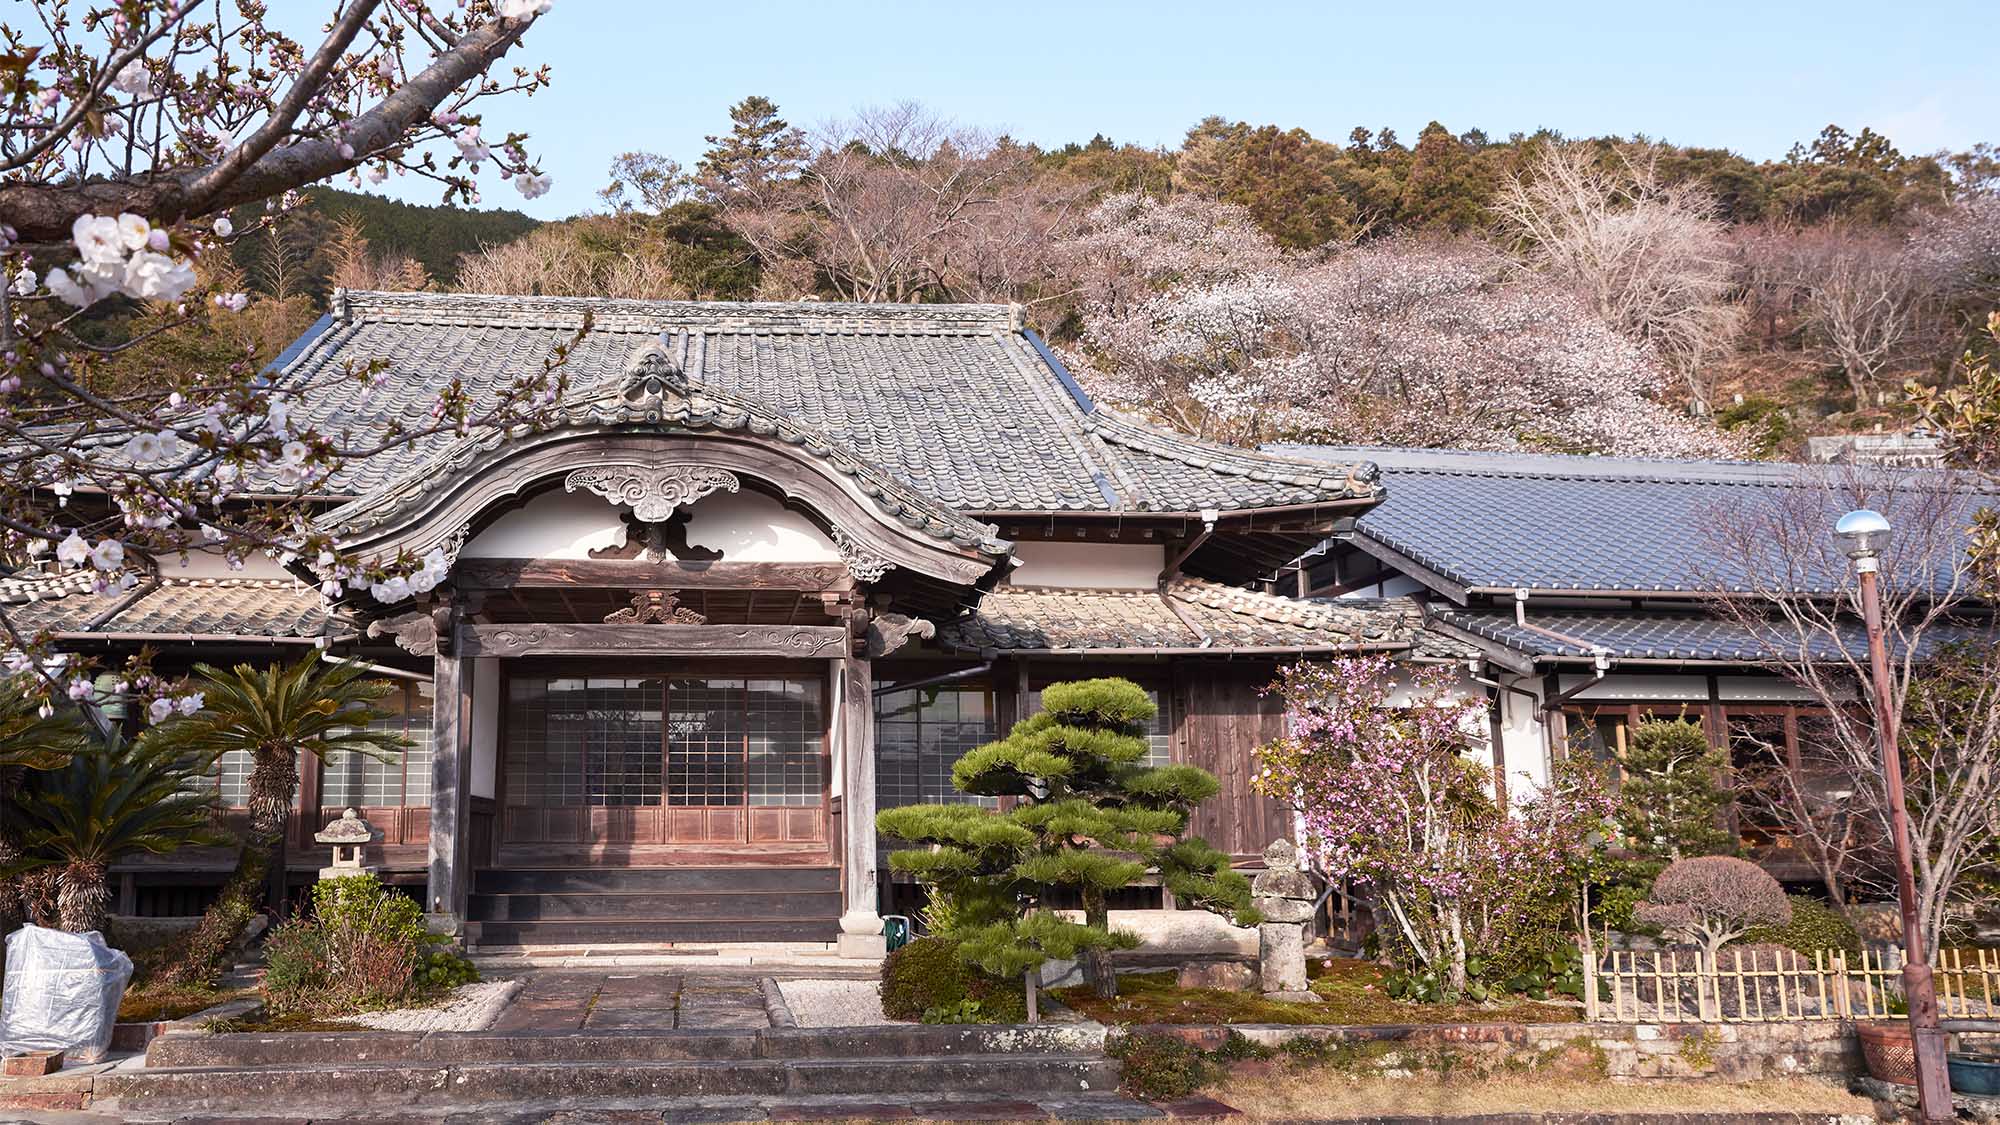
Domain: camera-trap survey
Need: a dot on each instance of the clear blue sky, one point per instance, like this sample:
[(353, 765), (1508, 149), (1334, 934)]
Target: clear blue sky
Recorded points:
[(1752, 76)]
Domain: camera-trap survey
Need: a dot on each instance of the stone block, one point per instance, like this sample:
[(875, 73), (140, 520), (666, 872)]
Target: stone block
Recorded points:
[(862, 947), (1231, 976), (34, 1064)]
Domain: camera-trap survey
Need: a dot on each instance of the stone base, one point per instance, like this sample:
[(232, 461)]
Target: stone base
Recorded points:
[(1294, 997), (869, 947)]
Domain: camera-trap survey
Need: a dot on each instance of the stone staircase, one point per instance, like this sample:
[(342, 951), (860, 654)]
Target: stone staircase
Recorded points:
[(611, 905), (479, 1075)]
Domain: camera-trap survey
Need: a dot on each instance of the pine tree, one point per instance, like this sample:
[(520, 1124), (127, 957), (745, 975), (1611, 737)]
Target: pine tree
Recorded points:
[(1671, 802), (760, 148), (1086, 819)]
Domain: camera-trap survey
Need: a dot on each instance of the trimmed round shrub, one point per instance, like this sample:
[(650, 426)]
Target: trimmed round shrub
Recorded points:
[(1815, 927), (1713, 899), (926, 974)]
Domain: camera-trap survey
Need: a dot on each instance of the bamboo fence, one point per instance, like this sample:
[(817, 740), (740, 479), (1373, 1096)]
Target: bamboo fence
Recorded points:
[(1778, 986)]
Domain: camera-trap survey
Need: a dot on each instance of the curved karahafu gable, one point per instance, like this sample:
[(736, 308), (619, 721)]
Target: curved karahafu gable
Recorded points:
[(647, 435)]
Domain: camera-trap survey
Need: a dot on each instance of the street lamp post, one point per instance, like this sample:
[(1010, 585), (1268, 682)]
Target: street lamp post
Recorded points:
[(1864, 534)]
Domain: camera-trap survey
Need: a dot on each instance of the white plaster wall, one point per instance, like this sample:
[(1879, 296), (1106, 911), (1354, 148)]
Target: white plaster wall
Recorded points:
[(752, 527), (552, 525), (1639, 687), (1524, 739), (745, 526), (1092, 566), (1392, 586), (1761, 688), (485, 770)]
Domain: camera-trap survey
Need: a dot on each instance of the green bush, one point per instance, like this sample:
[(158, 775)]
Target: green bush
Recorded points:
[(923, 975), (1815, 926), (365, 947), (1162, 1067)]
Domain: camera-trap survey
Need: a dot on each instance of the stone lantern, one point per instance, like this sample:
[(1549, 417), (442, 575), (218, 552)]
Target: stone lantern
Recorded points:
[(1284, 895), (349, 834)]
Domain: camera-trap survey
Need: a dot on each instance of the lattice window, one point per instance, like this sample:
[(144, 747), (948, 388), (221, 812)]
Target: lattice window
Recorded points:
[(348, 779), (705, 742), (784, 729), (919, 734), (232, 779), (622, 733)]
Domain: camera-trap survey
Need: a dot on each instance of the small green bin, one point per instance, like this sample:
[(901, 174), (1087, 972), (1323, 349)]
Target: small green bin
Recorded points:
[(896, 928)]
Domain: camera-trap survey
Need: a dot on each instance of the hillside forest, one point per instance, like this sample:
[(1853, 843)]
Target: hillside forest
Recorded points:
[(1619, 295)]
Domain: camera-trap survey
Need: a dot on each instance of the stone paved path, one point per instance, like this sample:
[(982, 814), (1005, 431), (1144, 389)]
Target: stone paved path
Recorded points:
[(636, 998)]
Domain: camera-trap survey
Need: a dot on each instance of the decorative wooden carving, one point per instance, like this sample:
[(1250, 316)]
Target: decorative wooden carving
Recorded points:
[(414, 632), (652, 491), (655, 607), (804, 641), (504, 574), (861, 562), (891, 631), (658, 542)]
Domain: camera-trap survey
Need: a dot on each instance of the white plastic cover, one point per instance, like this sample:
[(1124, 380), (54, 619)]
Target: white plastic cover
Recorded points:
[(62, 992)]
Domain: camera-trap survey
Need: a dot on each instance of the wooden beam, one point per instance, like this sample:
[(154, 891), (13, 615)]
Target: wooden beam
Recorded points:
[(810, 641), (508, 574)]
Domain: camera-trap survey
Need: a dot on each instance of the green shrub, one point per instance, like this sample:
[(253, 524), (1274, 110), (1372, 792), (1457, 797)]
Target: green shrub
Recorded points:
[(965, 1011), (1162, 1067), (923, 975), (1815, 926), (365, 947)]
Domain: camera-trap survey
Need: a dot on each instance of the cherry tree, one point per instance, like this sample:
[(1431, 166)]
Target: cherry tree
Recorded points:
[(1648, 255), (1190, 314), (1390, 796), (137, 143)]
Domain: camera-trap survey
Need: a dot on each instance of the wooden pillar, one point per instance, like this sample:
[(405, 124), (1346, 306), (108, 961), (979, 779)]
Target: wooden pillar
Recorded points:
[(861, 918), (451, 788)]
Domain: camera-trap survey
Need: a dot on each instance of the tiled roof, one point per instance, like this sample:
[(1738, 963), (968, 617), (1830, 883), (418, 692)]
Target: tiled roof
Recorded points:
[(252, 608), (1591, 524), (1652, 635), (1015, 619), (955, 401)]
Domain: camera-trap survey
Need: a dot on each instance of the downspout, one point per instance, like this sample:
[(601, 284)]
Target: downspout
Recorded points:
[(934, 681), (1173, 570)]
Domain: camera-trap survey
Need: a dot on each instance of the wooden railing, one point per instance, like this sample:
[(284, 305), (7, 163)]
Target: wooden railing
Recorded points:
[(1767, 986)]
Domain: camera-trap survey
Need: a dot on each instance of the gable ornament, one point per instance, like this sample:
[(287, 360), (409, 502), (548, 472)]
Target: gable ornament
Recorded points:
[(652, 491), (864, 564)]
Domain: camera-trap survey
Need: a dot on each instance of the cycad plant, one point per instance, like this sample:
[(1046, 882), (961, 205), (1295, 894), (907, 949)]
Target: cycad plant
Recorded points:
[(29, 740), (125, 796), (1087, 817), (271, 713)]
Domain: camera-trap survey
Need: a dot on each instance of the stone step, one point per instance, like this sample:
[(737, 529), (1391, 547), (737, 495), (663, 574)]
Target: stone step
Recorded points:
[(252, 1049), (301, 1089), (578, 931), (693, 906), (783, 880)]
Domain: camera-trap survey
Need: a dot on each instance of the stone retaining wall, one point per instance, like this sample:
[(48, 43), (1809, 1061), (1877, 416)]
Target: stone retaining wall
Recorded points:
[(1739, 1052)]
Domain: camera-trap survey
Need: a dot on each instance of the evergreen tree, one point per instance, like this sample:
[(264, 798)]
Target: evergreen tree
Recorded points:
[(1086, 819), (1445, 189), (1671, 803), (760, 148)]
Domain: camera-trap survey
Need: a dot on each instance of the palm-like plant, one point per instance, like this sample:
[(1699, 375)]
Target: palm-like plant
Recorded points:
[(29, 740), (271, 713), (274, 712), (125, 796)]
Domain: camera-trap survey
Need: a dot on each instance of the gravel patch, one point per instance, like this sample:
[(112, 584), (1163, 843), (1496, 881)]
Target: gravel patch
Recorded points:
[(470, 1007), (834, 1003)]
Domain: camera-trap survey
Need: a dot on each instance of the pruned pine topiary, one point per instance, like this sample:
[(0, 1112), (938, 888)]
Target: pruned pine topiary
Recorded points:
[(1088, 817)]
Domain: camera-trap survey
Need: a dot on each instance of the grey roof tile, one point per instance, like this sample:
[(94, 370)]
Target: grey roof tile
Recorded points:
[(211, 607), (1554, 522), (950, 400), (1653, 635), (1013, 618)]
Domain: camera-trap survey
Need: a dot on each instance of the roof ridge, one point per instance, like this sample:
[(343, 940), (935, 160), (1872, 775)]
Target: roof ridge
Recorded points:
[(824, 316), (1227, 459)]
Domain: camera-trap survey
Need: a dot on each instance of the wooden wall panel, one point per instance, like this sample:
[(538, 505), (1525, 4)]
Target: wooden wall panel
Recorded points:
[(1224, 719)]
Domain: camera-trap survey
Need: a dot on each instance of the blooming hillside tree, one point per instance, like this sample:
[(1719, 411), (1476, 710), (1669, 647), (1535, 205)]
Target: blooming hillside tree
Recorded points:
[(1390, 797), (133, 139), (1193, 315)]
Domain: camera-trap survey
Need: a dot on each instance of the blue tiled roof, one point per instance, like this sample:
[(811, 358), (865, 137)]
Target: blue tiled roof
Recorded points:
[(1651, 635), (1550, 522)]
